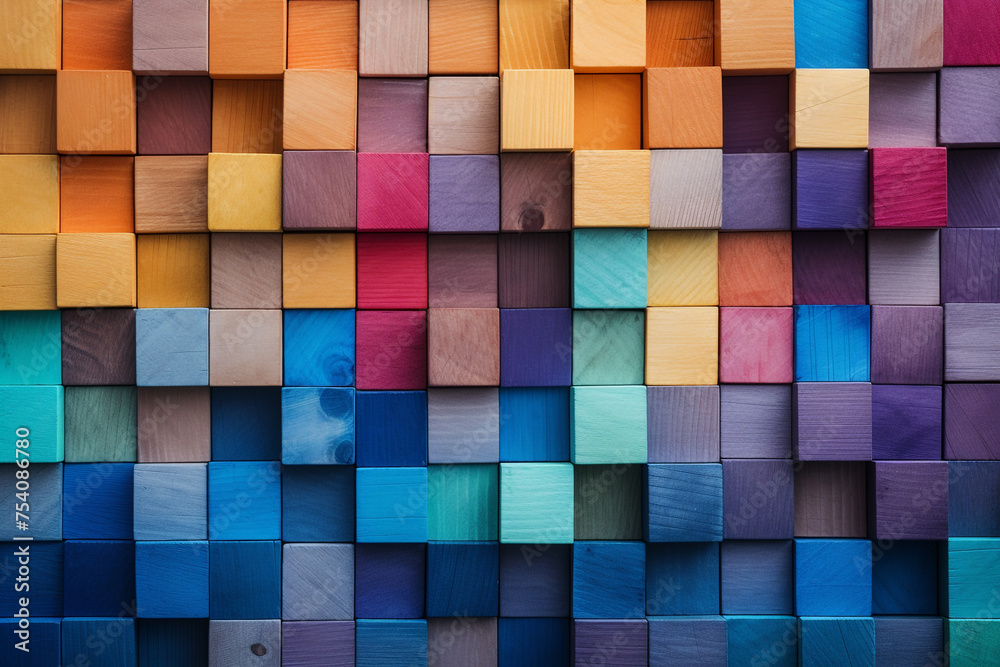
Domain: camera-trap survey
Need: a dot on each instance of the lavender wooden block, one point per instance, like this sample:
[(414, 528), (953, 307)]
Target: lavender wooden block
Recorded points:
[(756, 576), (464, 193), (317, 644), (902, 109), (682, 424), (758, 499), (756, 421), (907, 344), (970, 265), (972, 342), (969, 106), (974, 188), (906, 422), (971, 427), (463, 425), (622, 642), (535, 347), (973, 487), (535, 580), (908, 500), (830, 189), (904, 267), (687, 640), (756, 191), (319, 190), (828, 268), (392, 115), (832, 421), (755, 114)]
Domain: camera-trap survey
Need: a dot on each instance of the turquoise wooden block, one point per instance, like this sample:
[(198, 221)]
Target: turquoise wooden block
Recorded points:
[(609, 580), (762, 640), (608, 346), (971, 643), (101, 424), (244, 580), (534, 424), (972, 568), (108, 642), (170, 501), (609, 268), (608, 424), (171, 347), (832, 343), (833, 577), (317, 425), (831, 34), (390, 643), (30, 347), (244, 500), (682, 502), (319, 348), (45, 499), (32, 415), (536, 503), (392, 504), (171, 579), (462, 502), (836, 641)]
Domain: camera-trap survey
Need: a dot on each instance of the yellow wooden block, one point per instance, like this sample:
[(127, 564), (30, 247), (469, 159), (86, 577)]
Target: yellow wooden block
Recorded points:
[(611, 188), (829, 108), (95, 270), (318, 270), (321, 109), (27, 272), (32, 35), (244, 192), (682, 346), (682, 268), (536, 110), (534, 34), (755, 36), (173, 271), (29, 194), (609, 36)]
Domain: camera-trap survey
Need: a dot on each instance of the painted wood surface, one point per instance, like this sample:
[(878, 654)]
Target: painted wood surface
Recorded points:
[(832, 189), (610, 188), (683, 107), (95, 270), (682, 424), (904, 267), (535, 584), (462, 271), (323, 35), (317, 270), (829, 108), (758, 39), (755, 114), (534, 347), (244, 192), (258, 520), (608, 425), (969, 433), (690, 640), (831, 34), (821, 565), (46, 500), (743, 514), (42, 407), (392, 38), (970, 267), (317, 504), (391, 428), (968, 40), (171, 193), (463, 425), (463, 578), (246, 271), (607, 112), (32, 348), (475, 645), (76, 632), (909, 187), (171, 579), (906, 422), (99, 577), (534, 271), (386, 642), (831, 421), (318, 346), (966, 106), (390, 580), (249, 43), (392, 115), (534, 35), (756, 577), (303, 641), (463, 115), (607, 347), (534, 191), (830, 499), (319, 110), (755, 345), (248, 116), (319, 190), (170, 37), (592, 637), (756, 421), (28, 114), (608, 502), (31, 186), (41, 50), (686, 189), (971, 344), (245, 348), (902, 109), (317, 425), (96, 194), (907, 344), (756, 191), (838, 639), (906, 36), (694, 566), (392, 191), (535, 424), (173, 271), (682, 346), (608, 579), (174, 424), (904, 581), (391, 349), (893, 504), (246, 423), (97, 35), (682, 268), (900, 641), (463, 347), (463, 37), (972, 197), (608, 268), (828, 268), (233, 643), (536, 500), (101, 424), (98, 347), (970, 485), (171, 501), (755, 269), (89, 99), (380, 492), (462, 502), (536, 110), (231, 564), (464, 193), (680, 34), (684, 502), (171, 346)]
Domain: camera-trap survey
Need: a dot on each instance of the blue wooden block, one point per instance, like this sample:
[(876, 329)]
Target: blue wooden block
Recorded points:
[(392, 504), (391, 428), (246, 423), (99, 578), (687, 640), (173, 642), (385, 643), (682, 502), (832, 343), (43, 645), (171, 347), (37, 412), (44, 586), (319, 348), (97, 501), (618, 641), (463, 579), (904, 577), (171, 501), (44, 499), (108, 642), (317, 582), (317, 504), (971, 573), (973, 487), (609, 580), (609, 268), (317, 425), (534, 424), (831, 34), (833, 577), (532, 642), (830, 189), (238, 643), (30, 347), (608, 424), (389, 580), (244, 500), (244, 580), (837, 641), (535, 580), (756, 577), (171, 579), (536, 347), (909, 641), (682, 579), (762, 640)]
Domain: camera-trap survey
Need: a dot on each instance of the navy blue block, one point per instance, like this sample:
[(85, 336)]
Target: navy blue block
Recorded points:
[(317, 504), (536, 347), (905, 641), (535, 580), (973, 487), (837, 641), (244, 500), (682, 579), (757, 577), (463, 578), (904, 577), (103, 642), (391, 428), (609, 579), (534, 424), (319, 348), (385, 643), (762, 640), (533, 642), (171, 579), (173, 642), (42, 584), (244, 580), (317, 425), (44, 637), (833, 577), (97, 501), (687, 640), (246, 423), (99, 578), (389, 580)]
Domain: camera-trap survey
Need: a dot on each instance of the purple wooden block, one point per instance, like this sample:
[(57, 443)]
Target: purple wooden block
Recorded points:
[(392, 115), (830, 189), (828, 268), (906, 422), (902, 109), (754, 114), (464, 193), (174, 117), (757, 191), (907, 344), (908, 500), (756, 576), (536, 347), (758, 499), (971, 427), (756, 421), (317, 644), (974, 188), (389, 580), (970, 265), (969, 106), (832, 421), (535, 580), (682, 424), (687, 640), (98, 346), (619, 642), (319, 190)]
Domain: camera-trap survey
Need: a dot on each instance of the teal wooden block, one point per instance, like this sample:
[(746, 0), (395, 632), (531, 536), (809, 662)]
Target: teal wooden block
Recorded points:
[(972, 567), (836, 641), (33, 415), (831, 34), (762, 640), (971, 643), (609, 268), (392, 504), (462, 502), (536, 503), (682, 502), (608, 346), (607, 424), (101, 424), (30, 347)]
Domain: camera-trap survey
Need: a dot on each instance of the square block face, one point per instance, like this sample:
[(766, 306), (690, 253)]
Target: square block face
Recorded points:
[(536, 192), (170, 41), (840, 639), (174, 117), (830, 499), (95, 270), (609, 268), (832, 421), (232, 563), (608, 425), (462, 578), (246, 271), (972, 343), (536, 110), (47, 561), (391, 349), (392, 504), (748, 636), (381, 642), (244, 192), (319, 348), (907, 344), (682, 346), (245, 348), (909, 187), (906, 35), (319, 189), (832, 343), (171, 193), (106, 513), (462, 271), (238, 47), (682, 424), (28, 271), (904, 267), (607, 112), (538, 429), (464, 502), (969, 431), (831, 189), (755, 269), (739, 47), (88, 100), (173, 271), (680, 640), (621, 199), (682, 268), (87, 357), (101, 424), (46, 499), (392, 115), (174, 424), (317, 504), (608, 36), (318, 270), (40, 49), (393, 39), (463, 347), (389, 580), (755, 110), (402, 286), (393, 191), (463, 425), (829, 108), (171, 579), (756, 577), (973, 199), (756, 421), (323, 35), (536, 503), (317, 425), (247, 116), (29, 185), (968, 40), (32, 347), (895, 482), (463, 115), (96, 194), (463, 37), (536, 347), (746, 513), (906, 422), (971, 569), (970, 266), (391, 428), (686, 189), (970, 486), (833, 577), (320, 110), (683, 107), (317, 582), (31, 118), (610, 506), (756, 191), (171, 501), (228, 483), (902, 110), (608, 347), (684, 502), (223, 638), (692, 565), (905, 580), (679, 35), (464, 193), (831, 34), (538, 588), (171, 347), (98, 577), (608, 579), (534, 270), (756, 345), (551, 50), (74, 633), (910, 639), (970, 642)]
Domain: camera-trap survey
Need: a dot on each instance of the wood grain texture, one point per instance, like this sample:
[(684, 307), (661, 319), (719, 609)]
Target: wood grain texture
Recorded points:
[(245, 348), (97, 34), (463, 37), (98, 347), (682, 268), (970, 267), (755, 114), (608, 579), (906, 35), (694, 566), (607, 347), (317, 504), (906, 422), (682, 424), (909, 187), (680, 34), (317, 582), (607, 425), (380, 492), (105, 512), (973, 196), (971, 344), (831, 34), (901, 641), (317, 425), (405, 285), (755, 345), (756, 421), (464, 193), (746, 636), (101, 576), (534, 271), (682, 346), (169, 37), (246, 424), (231, 564), (247, 116), (536, 110), (832, 189), (463, 347), (686, 189), (158, 593), (829, 108), (171, 347), (393, 191), (248, 43), (302, 641), (246, 271), (839, 639), (174, 424), (608, 504), (970, 485), (42, 406), (690, 640), (969, 40), (390, 580), (902, 109), (96, 194), (535, 345), (386, 642), (611, 188), (608, 271), (832, 343), (822, 565), (476, 646), (463, 115), (95, 112), (758, 499), (392, 38), (755, 269), (235, 642), (755, 38), (319, 190), (830, 499), (462, 577), (895, 514), (756, 191), (832, 421), (592, 637), (683, 107), (171, 193), (95, 270), (27, 114), (608, 36), (244, 192), (38, 28), (536, 499), (537, 428), (534, 35), (607, 112), (969, 432), (967, 110), (903, 267), (969, 563), (463, 425), (320, 110), (828, 268), (260, 518), (534, 191), (30, 187), (535, 587), (100, 424), (392, 115), (76, 631), (323, 35), (907, 344), (171, 501), (463, 502), (391, 350), (462, 271), (756, 577), (684, 502), (173, 271)]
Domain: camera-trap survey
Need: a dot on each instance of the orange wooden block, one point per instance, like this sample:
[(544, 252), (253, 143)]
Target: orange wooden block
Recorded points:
[(173, 271), (607, 112), (95, 111), (534, 34), (683, 107), (463, 37), (755, 268), (27, 113), (680, 33), (246, 39), (97, 34), (321, 110), (96, 194), (322, 34), (246, 116), (755, 36)]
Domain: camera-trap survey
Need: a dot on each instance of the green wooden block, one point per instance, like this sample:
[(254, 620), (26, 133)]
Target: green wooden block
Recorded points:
[(608, 502), (973, 568), (972, 643), (609, 268), (536, 503), (607, 424), (100, 424), (30, 347), (34, 413), (608, 346), (462, 502)]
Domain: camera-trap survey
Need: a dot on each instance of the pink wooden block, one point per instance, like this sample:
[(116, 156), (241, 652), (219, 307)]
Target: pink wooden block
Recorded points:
[(755, 345), (392, 191), (971, 32), (391, 349), (909, 187), (392, 271)]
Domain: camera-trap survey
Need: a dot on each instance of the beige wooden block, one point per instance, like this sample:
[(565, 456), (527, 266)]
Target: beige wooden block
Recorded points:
[(244, 192), (608, 36), (682, 268), (244, 348), (318, 270), (463, 37), (321, 109), (909, 34), (755, 36), (463, 115), (95, 112), (32, 35), (27, 113), (685, 189), (27, 272), (171, 193), (534, 34), (29, 194), (611, 188), (95, 270), (829, 108), (246, 271), (682, 346), (536, 111), (392, 38)]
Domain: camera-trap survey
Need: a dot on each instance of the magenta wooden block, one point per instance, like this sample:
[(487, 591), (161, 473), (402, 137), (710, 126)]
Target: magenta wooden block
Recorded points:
[(392, 115), (621, 642), (971, 427), (907, 345), (830, 189), (536, 347), (902, 109), (756, 191), (970, 265), (174, 117), (906, 422), (832, 421), (758, 499), (971, 32), (755, 345), (464, 193), (909, 187), (319, 190), (392, 191), (908, 500), (755, 114), (974, 188), (317, 644), (828, 268), (969, 106), (391, 349)]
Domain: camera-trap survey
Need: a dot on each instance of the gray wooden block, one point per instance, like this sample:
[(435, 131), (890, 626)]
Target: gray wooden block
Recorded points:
[(682, 424), (972, 342), (462, 642), (904, 267), (756, 421), (170, 501), (463, 425), (832, 421), (45, 500), (317, 582), (686, 189), (830, 499), (244, 643)]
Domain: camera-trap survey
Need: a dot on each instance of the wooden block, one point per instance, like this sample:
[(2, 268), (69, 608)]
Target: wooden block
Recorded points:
[(318, 347), (849, 640), (319, 189), (904, 641), (607, 425), (323, 35), (611, 188), (892, 514), (683, 502), (970, 642), (464, 193), (832, 189), (96, 194), (27, 114), (171, 579), (607, 347), (534, 271), (381, 494), (31, 192), (755, 345), (47, 559), (831, 34), (476, 644), (463, 115), (970, 270), (248, 44), (249, 116), (832, 343), (906, 35), (246, 424), (682, 268), (971, 344), (831, 421), (386, 642), (231, 564), (686, 639), (389, 580), (685, 189), (98, 347), (755, 114), (607, 112), (535, 346), (245, 348), (969, 432), (748, 636), (972, 192), (695, 566), (757, 39), (755, 269), (682, 346), (233, 642), (756, 576), (317, 425), (244, 192), (462, 578), (682, 424), (391, 349), (392, 115), (591, 638), (173, 270), (680, 34), (536, 110), (907, 344), (101, 424), (903, 267), (828, 268), (462, 503), (47, 482), (317, 582), (95, 270), (538, 586), (968, 38), (320, 109), (902, 109), (608, 268), (463, 37), (909, 187), (756, 191), (171, 501), (95, 112), (970, 486), (171, 194), (463, 426), (99, 577), (521, 640), (536, 503), (538, 428), (756, 421), (392, 191), (534, 191), (228, 484), (904, 579), (41, 408), (970, 567), (829, 108), (463, 347), (35, 30), (246, 271), (317, 504), (683, 107), (305, 640), (534, 35), (757, 499), (830, 499), (822, 566), (174, 424), (32, 348), (77, 631), (171, 347), (393, 38), (405, 286), (608, 579), (967, 107), (608, 36), (906, 422), (462, 271), (97, 34), (169, 37), (608, 502)]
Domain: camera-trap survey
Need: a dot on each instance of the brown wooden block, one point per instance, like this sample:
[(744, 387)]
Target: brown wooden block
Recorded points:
[(680, 33), (95, 270), (27, 272), (392, 38), (534, 271), (320, 110), (172, 270), (319, 190), (97, 34), (463, 347), (246, 271), (246, 116), (98, 346), (95, 112), (174, 424), (32, 32), (607, 112), (323, 34), (96, 194), (246, 40), (683, 107), (174, 116), (318, 270), (755, 269), (463, 37), (462, 271), (245, 348), (29, 190), (755, 37), (170, 36), (831, 499), (536, 191), (171, 193), (463, 115), (534, 34), (27, 113), (907, 34)]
